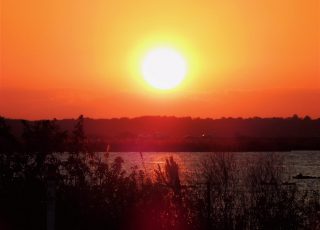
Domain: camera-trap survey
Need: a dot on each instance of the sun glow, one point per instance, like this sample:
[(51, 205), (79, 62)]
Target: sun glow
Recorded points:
[(164, 68)]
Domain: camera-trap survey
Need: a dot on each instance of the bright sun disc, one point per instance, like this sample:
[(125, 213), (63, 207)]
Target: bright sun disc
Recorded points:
[(164, 68)]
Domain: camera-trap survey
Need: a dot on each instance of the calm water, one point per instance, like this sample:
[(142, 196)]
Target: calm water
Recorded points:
[(305, 162)]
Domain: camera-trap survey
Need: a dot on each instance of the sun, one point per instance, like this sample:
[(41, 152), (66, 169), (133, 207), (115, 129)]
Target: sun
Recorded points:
[(164, 68)]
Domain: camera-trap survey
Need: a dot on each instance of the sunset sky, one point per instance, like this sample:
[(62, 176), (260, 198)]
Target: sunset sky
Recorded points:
[(245, 58)]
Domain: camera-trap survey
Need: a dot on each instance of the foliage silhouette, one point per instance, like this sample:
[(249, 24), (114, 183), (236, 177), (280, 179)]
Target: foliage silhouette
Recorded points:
[(91, 191)]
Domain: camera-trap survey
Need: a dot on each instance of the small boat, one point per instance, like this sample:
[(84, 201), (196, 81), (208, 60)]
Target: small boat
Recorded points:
[(300, 176)]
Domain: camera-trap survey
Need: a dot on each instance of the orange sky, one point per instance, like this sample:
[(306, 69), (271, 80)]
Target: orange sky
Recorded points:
[(246, 58)]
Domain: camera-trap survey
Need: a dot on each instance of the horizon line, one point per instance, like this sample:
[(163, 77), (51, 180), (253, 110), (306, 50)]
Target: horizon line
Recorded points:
[(169, 116)]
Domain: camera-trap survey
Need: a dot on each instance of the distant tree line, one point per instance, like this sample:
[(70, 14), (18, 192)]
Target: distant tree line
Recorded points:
[(195, 134), (51, 179)]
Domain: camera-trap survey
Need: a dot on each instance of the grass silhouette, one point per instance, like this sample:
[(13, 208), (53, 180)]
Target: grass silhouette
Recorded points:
[(51, 177)]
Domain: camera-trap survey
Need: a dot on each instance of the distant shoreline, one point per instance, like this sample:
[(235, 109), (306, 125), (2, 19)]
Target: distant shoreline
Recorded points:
[(186, 134)]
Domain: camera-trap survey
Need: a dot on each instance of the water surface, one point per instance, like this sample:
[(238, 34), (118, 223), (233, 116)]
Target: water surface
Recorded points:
[(305, 162)]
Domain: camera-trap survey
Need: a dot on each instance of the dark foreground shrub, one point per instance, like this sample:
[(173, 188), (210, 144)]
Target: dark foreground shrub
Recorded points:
[(51, 180)]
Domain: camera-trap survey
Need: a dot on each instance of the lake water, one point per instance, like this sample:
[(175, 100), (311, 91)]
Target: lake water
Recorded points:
[(305, 162)]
